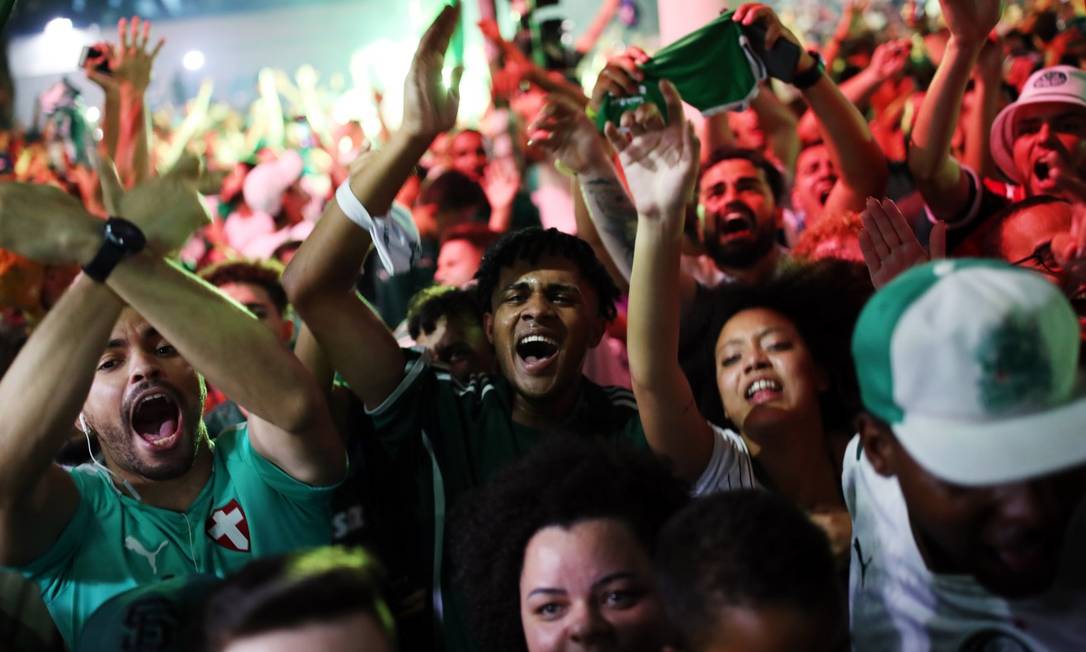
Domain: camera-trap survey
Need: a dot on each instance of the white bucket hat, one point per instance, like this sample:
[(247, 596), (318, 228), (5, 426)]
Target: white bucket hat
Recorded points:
[(1061, 84), (974, 366)]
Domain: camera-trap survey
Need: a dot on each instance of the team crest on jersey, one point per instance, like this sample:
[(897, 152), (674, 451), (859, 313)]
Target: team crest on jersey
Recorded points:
[(228, 527)]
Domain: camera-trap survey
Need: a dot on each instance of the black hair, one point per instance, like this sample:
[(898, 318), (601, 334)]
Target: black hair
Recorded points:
[(988, 240), (453, 190), (566, 480), (823, 300), (773, 175), (430, 304), (532, 244), (477, 234), (294, 590), (265, 274), (748, 548)]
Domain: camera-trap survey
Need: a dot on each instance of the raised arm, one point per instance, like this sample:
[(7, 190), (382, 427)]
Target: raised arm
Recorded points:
[(779, 124), (938, 175), (43, 391), (858, 159), (661, 163), (320, 279), (132, 71), (289, 420)]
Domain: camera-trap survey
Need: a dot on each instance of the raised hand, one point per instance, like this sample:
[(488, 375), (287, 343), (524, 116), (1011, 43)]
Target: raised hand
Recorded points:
[(620, 77), (660, 160), (971, 21), (760, 14), (890, 58), (428, 107), (166, 208), (131, 61), (45, 224), (889, 245), (564, 131)]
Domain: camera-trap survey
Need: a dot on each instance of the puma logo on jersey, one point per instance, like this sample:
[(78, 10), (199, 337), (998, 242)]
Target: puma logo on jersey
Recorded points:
[(860, 560), (135, 546)]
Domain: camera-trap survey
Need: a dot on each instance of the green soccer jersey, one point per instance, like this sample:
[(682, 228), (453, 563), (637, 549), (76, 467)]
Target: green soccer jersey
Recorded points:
[(249, 508), (462, 435)]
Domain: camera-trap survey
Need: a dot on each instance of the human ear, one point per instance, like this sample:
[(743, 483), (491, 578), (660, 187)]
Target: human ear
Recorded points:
[(877, 442)]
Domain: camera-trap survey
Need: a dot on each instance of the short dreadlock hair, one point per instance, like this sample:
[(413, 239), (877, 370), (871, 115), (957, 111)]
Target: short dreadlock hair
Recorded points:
[(429, 305), (265, 274), (532, 244)]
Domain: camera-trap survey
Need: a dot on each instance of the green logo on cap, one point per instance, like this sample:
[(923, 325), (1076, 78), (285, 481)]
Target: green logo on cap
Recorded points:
[(1015, 370)]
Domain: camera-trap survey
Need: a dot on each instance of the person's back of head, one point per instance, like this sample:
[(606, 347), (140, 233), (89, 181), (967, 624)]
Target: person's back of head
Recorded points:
[(325, 599), (747, 570), (453, 192)]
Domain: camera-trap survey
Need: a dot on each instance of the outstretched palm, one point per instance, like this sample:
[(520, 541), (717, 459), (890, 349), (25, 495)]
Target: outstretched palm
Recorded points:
[(660, 160), (429, 107)]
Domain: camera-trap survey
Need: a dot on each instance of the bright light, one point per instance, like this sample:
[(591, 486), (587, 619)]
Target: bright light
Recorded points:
[(58, 26), (193, 60), (92, 114)]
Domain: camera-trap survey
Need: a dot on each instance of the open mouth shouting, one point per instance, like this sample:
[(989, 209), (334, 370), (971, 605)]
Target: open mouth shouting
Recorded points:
[(763, 390), (536, 352), (735, 224), (156, 419)]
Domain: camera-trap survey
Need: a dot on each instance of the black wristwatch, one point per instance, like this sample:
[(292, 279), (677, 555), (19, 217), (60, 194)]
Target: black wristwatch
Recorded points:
[(809, 77), (121, 238)]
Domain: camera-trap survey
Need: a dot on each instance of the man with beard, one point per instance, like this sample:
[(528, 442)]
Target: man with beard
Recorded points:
[(839, 174), (1038, 142), (118, 356), (546, 301)]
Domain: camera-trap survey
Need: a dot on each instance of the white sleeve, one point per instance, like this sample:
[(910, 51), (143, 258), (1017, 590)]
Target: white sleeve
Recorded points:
[(729, 467)]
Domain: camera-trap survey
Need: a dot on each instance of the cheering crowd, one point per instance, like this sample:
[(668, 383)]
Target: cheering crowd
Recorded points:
[(804, 373)]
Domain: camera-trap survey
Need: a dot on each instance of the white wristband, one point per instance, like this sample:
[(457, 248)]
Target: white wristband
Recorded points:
[(352, 208)]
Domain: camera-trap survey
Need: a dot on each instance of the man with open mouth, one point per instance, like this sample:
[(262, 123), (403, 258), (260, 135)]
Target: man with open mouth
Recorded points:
[(546, 300), (123, 355), (1038, 142)]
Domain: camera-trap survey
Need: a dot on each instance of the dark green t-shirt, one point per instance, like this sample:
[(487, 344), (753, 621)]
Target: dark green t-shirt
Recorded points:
[(462, 435)]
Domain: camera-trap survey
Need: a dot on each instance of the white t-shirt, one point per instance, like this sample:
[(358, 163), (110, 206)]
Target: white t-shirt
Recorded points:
[(730, 466), (896, 603)]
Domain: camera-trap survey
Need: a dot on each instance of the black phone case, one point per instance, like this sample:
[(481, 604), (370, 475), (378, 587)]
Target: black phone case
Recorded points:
[(780, 62)]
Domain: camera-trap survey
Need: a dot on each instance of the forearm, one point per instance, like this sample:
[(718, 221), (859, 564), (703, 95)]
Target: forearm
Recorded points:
[(612, 213), (595, 29), (852, 148), (929, 152), (110, 123), (716, 134), (780, 127), (653, 316), (133, 141), (218, 337), (978, 128), (43, 391), (586, 231)]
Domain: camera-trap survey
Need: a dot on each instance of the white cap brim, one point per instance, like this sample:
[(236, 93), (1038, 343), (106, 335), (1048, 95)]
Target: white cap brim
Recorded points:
[(1001, 451)]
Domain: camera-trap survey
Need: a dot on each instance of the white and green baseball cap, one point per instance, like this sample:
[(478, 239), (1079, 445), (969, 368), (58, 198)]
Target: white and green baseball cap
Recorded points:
[(974, 365)]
